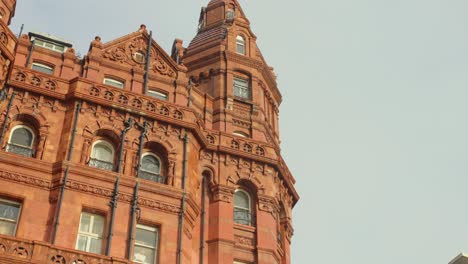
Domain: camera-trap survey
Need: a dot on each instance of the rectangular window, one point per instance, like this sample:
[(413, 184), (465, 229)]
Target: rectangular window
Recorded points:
[(9, 213), (113, 82), (90, 233), (49, 45), (158, 95), (146, 243), (42, 68), (241, 88)]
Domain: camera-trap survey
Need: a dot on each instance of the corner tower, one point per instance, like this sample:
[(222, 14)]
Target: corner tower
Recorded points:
[(226, 64)]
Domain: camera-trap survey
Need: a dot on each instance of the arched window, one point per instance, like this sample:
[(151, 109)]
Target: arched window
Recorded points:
[(242, 208), (240, 45), (102, 155), (150, 168), (21, 141), (241, 88)]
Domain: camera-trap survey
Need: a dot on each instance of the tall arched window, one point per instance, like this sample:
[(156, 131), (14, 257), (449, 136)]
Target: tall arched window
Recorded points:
[(21, 141), (240, 45), (150, 168), (242, 208), (102, 155)]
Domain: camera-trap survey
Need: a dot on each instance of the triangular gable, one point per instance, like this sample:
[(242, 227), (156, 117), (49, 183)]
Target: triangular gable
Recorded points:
[(122, 50)]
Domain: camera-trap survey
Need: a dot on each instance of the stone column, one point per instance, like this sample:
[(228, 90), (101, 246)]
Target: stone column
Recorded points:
[(220, 238)]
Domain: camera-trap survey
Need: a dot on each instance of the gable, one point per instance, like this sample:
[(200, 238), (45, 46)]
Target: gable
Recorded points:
[(131, 51)]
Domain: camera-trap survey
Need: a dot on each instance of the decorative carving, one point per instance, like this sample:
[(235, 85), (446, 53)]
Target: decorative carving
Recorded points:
[(50, 85), (89, 188), (164, 111), (234, 144), (150, 107), (210, 139), (244, 241), (122, 99), (3, 38), (158, 205), (21, 252), (57, 259), (159, 65), (222, 193), (247, 148), (266, 204), (94, 91), (20, 77), (260, 151), (24, 179), (35, 81), (178, 115)]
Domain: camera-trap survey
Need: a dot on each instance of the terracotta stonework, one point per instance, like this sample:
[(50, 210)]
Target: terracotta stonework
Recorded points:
[(208, 119)]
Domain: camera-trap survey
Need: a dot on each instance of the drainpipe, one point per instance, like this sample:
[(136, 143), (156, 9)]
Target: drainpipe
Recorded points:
[(148, 56), (182, 207), (131, 236), (65, 176), (202, 219), (5, 121), (113, 203), (29, 54)]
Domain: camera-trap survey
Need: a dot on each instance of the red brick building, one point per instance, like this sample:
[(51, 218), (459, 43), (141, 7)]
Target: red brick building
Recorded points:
[(132, 154)]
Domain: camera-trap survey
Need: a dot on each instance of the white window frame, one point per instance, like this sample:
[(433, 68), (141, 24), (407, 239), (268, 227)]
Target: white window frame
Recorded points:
[(240, 45), (89, 235), (158, 95), (155, 248), (249, 209), (13, 203), (236, 86), (240, 134), (27, 128), (107, 144), (43, 66), (155, 156), (114, 83), (51, 45)]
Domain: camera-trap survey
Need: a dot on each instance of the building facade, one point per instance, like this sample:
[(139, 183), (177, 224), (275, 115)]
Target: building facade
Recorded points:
[(134, 155)]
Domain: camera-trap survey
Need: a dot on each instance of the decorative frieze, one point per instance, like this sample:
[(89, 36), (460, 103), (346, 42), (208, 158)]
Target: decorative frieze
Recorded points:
[(25, 179)]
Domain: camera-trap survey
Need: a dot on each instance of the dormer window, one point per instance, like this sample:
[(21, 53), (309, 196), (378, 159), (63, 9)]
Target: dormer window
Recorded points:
[(113, 82), (241, 88), (230, 14), (240, 45), (49, 45), (157, 95), (42, 68)]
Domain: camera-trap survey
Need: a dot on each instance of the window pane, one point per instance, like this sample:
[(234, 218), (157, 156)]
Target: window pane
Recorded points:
[(102, 152), (150, 164), (98, 226), (85, 222), (7, 228), (114, 83), (81, 244), (146, 237), (158, 95), (241, 88), (241, 200), (95, 246), (9, 211), (22, 137), (143, 255), (42, 68)]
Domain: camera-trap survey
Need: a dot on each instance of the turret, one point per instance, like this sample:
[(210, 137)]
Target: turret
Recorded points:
[(225, 63)]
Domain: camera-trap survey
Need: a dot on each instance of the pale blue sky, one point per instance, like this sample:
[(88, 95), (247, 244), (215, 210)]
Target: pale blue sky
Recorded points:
[(374, 121)]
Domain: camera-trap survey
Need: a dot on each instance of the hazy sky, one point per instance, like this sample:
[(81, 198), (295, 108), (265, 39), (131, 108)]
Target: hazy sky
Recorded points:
[(374, 121)]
